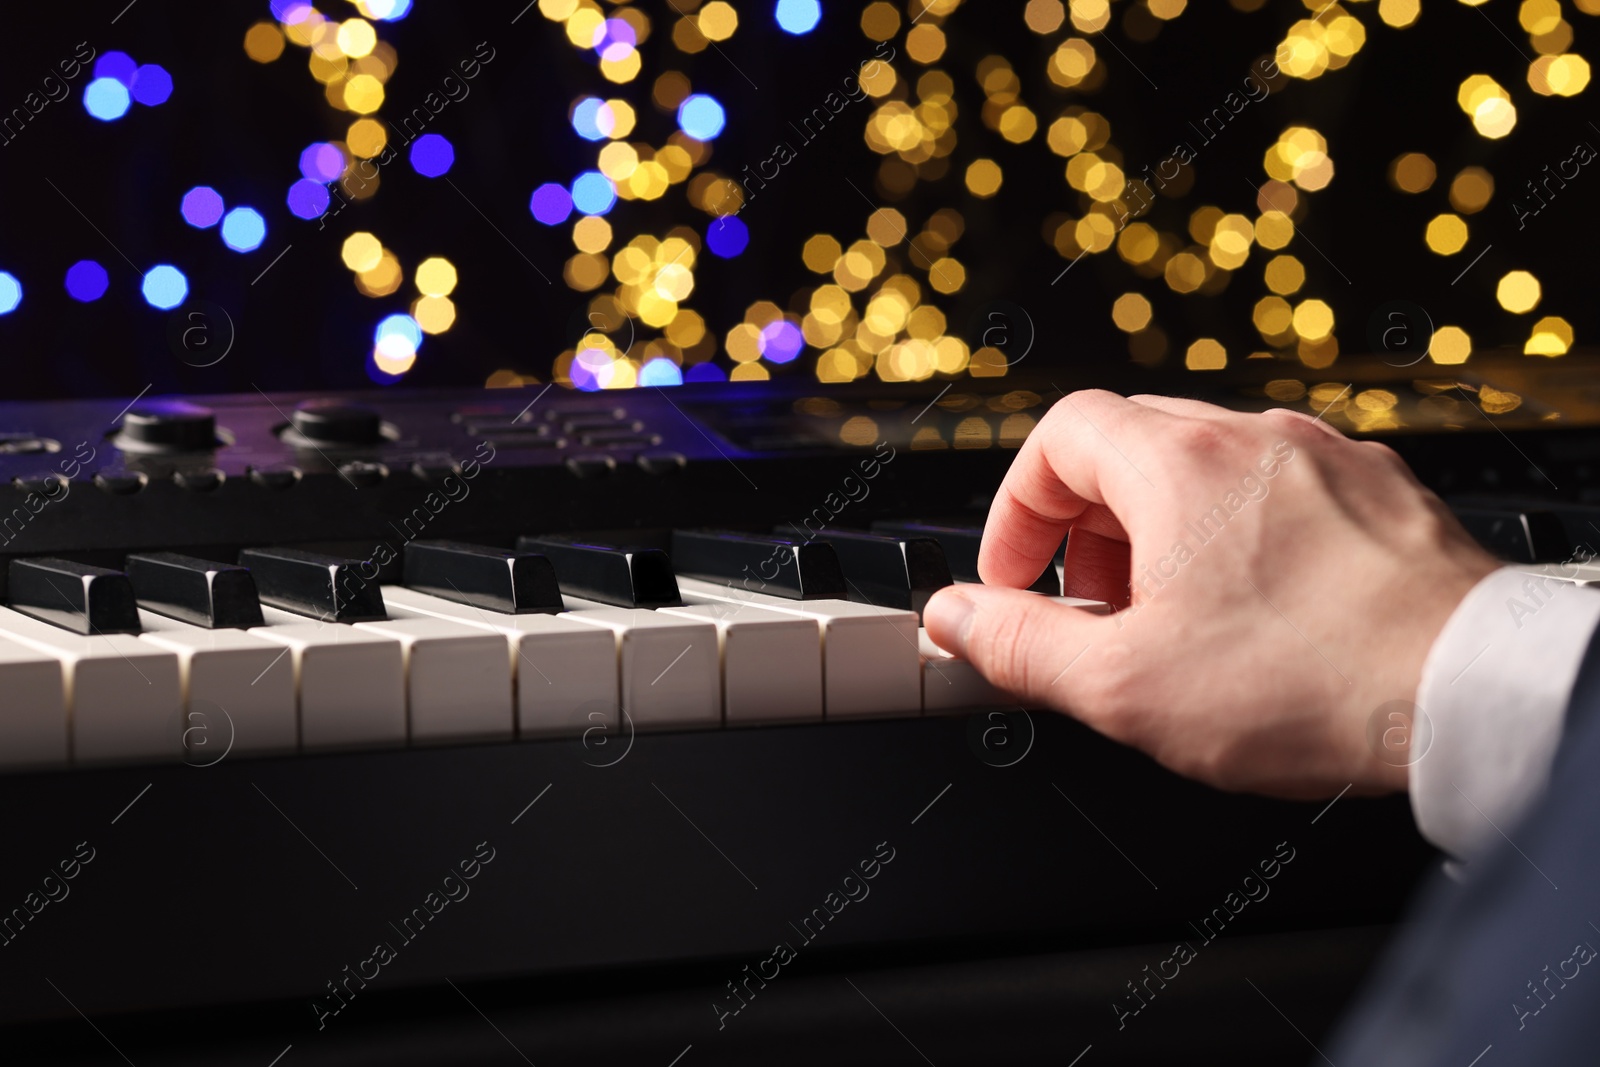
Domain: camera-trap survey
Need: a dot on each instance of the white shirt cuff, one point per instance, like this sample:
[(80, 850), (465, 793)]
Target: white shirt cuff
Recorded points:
[(1492, 700)]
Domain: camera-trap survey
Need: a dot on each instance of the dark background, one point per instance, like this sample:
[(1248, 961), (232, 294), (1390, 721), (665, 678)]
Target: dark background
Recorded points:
[(240, 126)]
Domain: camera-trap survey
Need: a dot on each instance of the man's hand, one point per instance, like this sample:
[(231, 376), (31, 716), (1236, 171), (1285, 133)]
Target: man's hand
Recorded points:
[(1277, 582)]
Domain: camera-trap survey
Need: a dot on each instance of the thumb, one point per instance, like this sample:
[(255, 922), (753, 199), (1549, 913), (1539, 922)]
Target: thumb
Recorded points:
[(1021, 642)]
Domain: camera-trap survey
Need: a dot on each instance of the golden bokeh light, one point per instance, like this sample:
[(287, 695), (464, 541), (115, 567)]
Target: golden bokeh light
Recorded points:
[(1551, 336), (1412, 173), (436, 276), (1451, 346), (1446, 234), (1518, 292), (1131, 312)]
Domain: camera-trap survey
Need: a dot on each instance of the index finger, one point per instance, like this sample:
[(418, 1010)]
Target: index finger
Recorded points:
[(1083, 454)]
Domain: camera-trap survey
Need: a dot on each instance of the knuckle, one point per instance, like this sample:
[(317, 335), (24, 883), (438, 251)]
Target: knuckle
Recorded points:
[(1297, 426), (1207, 438)]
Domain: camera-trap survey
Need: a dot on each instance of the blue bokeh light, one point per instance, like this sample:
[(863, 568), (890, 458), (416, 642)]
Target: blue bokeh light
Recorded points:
[(10, 292), (593, 193), (660, 371), (614, 40), (399, 325), (118, 66), (106, 99), (291, 12), (705, 372), (781, 341), (432, 155), (87, 281), (701, 117), (389, 10), (798, 16), (551, 204), (727, 237), (587, 117), (152, 85), (202, 207), (243, 229), (589, 368), (322, 162), (164, 287), (308, 199)]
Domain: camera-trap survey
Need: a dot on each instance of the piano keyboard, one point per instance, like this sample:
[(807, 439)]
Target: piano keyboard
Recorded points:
[(300, 651)]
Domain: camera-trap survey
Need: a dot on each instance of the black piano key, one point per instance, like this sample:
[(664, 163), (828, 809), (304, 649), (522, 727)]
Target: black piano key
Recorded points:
[(961, 544), (620, 575), (218, 596), (74, 596), (775, 565), (495, 579), (1521, 535), (891, 572), (315, 584)]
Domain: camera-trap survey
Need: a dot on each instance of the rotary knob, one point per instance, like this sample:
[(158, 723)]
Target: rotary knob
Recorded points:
[(168, 426), (337, 423)]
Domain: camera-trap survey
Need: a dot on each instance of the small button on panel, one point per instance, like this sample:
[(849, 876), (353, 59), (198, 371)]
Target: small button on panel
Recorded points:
[(276, 478), (207, 480), (595, 466), (363, 474), (51, 486), (662, 463), (26, 444), (618, 439), (121, 483), (605, 413)]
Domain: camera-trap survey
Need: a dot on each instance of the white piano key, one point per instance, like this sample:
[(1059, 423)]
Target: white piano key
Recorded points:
[(33, 715), (771, 663), (565, 671), (871, 666), (458, 678), (245, 677), (123, 694), (950, 684), (351, 683), (669, 666)]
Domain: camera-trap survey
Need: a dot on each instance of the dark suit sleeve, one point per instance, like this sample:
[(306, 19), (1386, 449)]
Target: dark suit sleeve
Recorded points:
[(1504, 964)]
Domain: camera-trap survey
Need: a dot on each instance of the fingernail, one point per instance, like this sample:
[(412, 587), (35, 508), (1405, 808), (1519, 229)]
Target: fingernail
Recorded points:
[(948, 617)]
